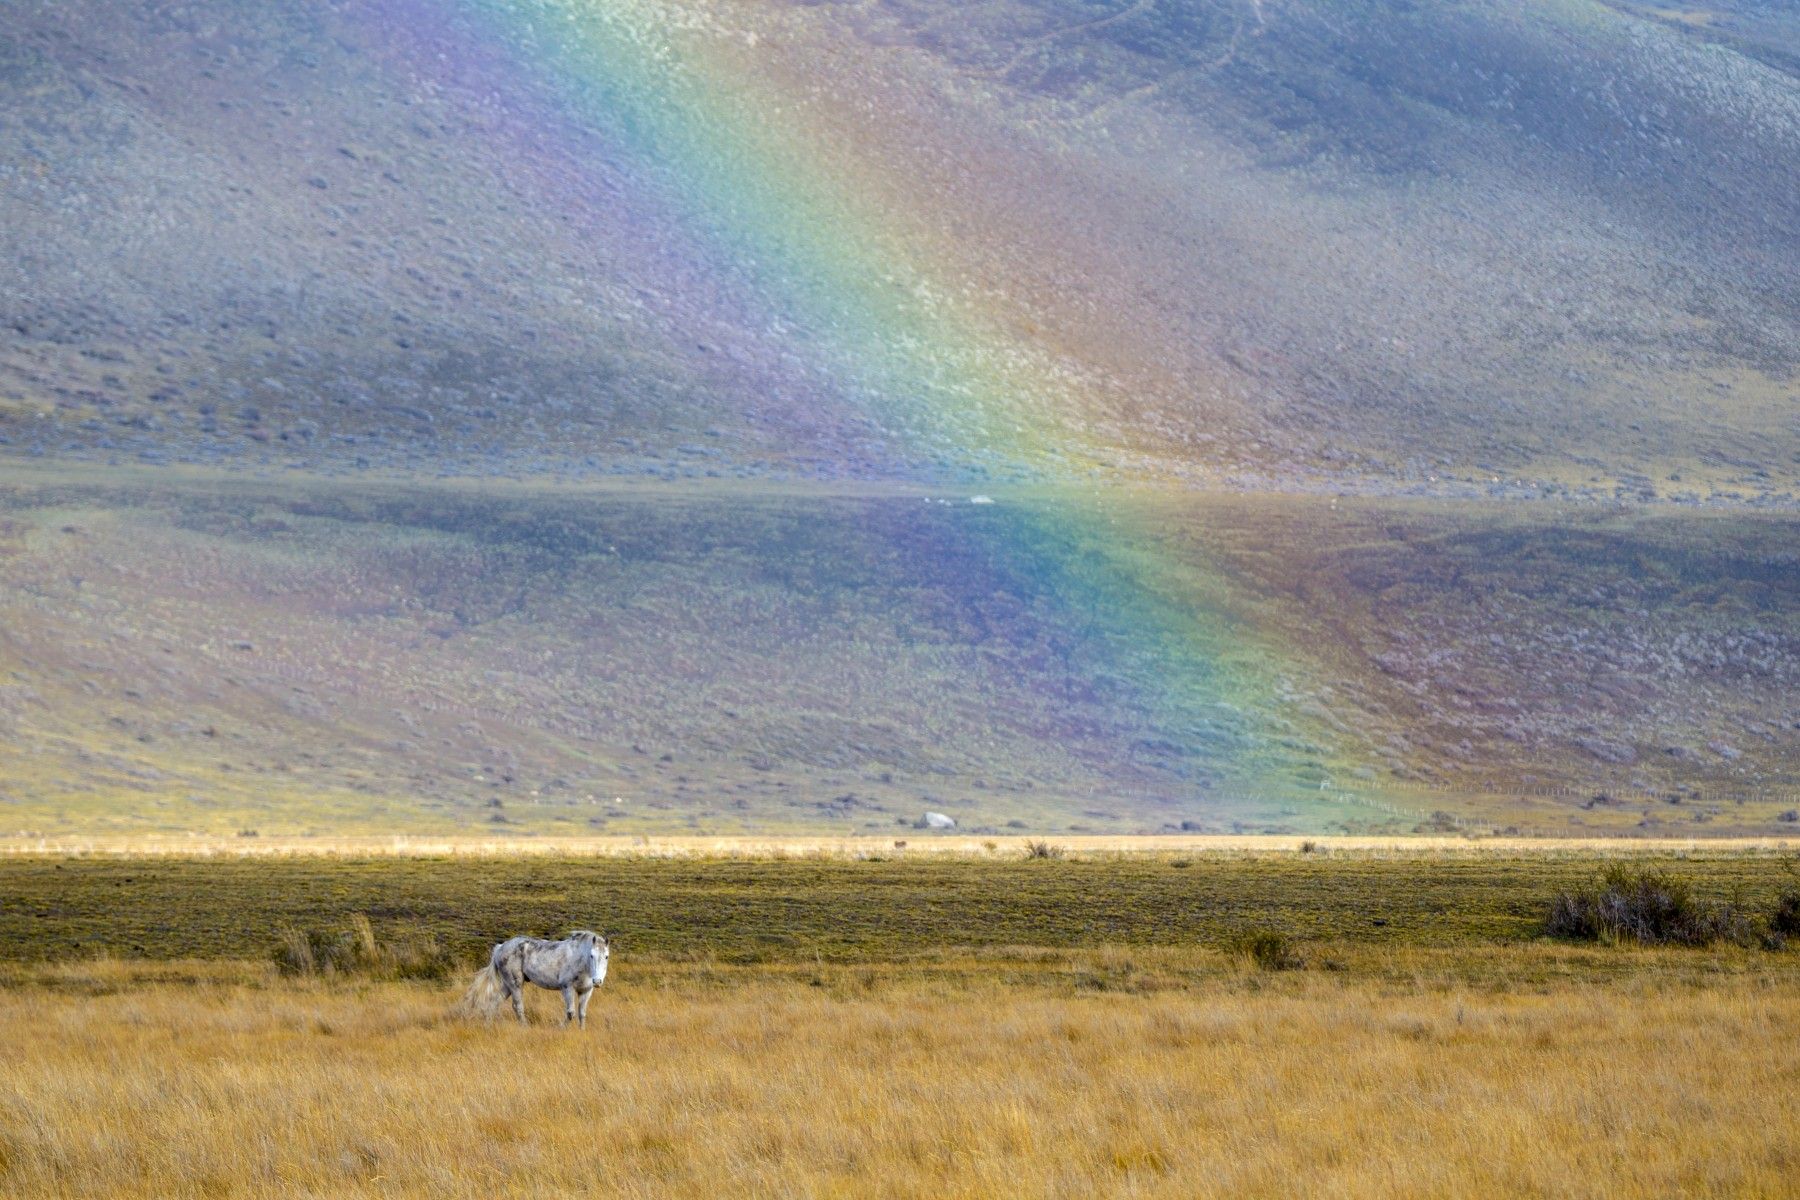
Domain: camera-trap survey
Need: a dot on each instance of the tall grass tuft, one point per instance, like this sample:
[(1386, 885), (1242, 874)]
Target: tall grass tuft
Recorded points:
[(1268, 949), (1043, 849), (294, 953), (358, 951)]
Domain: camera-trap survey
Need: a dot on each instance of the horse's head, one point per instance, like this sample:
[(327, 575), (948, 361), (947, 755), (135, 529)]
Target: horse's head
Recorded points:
[(597, 950)]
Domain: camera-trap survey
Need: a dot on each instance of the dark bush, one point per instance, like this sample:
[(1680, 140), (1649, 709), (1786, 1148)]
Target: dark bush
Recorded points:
[(1042, 850), (1269, 949), (1648, 906), (1784, 920)]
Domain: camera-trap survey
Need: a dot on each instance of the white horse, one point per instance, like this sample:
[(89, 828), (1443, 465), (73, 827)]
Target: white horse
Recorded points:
[(576, 965)]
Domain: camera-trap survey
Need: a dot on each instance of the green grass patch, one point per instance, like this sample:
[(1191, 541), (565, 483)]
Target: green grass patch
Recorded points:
[(803, 911)]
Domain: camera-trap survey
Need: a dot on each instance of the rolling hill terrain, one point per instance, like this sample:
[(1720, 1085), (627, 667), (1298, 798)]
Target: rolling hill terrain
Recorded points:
[(571, 414), (298, 658)]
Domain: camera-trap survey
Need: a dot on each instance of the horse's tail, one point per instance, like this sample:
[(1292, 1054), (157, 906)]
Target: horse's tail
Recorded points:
[(482, 1000)]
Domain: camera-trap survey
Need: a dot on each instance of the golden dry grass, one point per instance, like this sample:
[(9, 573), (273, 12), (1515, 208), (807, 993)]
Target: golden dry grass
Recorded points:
[(218, 1080)]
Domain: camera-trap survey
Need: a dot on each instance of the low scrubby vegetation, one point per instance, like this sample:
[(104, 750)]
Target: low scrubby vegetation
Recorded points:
[(1784, 920), (747, 910), (1649, 906)]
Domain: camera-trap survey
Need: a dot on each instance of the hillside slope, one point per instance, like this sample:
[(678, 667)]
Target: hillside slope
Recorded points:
[(300, 658), (1253, 244), (565, 414)]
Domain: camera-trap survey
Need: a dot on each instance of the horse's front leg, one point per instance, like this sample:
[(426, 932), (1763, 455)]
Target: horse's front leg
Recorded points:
[(582, 1010), (568, 1003)]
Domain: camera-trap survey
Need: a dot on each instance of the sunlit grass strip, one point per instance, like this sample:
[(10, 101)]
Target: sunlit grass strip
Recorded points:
[(872, 1082)]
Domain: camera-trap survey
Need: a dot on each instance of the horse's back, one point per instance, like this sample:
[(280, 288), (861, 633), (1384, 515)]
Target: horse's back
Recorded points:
[(511, 946)]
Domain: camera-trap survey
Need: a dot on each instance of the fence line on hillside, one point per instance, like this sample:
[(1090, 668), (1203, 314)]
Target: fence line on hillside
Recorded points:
[(1703, 802)]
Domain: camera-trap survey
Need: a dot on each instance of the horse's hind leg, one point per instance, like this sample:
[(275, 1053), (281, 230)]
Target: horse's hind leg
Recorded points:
[(516, 993)]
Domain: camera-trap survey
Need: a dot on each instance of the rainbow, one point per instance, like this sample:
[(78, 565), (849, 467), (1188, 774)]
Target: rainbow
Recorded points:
[(663, 129)]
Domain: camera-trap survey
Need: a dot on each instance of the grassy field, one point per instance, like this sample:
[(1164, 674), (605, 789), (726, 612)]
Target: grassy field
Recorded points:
[(1312, 1085), (972, 1023), (801, 909)]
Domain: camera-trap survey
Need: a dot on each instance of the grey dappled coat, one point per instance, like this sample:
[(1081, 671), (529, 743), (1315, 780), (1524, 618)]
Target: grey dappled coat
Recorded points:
[(575, 965)]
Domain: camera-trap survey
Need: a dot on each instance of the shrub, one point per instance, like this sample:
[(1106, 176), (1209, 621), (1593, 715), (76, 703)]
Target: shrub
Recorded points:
[(1784, 921), (1647, 906), (1269, 949), (1041, 849), (357, 951)]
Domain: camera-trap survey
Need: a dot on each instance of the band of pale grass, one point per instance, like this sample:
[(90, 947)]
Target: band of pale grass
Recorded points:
[(874, 1083)]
